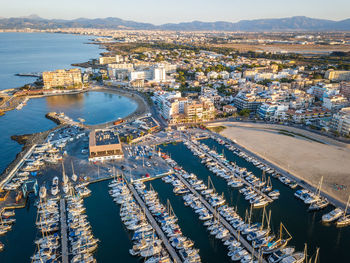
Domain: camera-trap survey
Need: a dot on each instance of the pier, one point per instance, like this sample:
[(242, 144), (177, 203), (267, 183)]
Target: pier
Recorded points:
[(223, 221), (227, 170), (17, 166), (155, 226), (64, 238)]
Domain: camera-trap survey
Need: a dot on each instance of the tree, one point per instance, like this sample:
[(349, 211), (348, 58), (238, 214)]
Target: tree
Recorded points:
[(244, 113)]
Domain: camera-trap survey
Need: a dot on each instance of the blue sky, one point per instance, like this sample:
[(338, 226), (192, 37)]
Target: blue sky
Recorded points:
[(165, 11)]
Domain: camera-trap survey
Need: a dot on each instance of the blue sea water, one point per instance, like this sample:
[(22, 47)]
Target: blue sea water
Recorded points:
[(23, 52), (37, 52)]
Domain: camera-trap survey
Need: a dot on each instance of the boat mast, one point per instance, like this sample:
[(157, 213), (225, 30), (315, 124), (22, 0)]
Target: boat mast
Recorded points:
[(262, 220), (319, 187), (347, 206), (317, 253), (250, 214), (72, 167), (305, 252), (268, 221)]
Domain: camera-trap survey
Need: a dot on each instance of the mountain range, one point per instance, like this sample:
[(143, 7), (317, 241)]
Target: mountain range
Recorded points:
[(296, 23)]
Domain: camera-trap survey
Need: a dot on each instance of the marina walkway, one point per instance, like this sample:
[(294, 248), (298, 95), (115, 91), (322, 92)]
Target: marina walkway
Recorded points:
[(222, 220), (223, 166), (64, 238), (17, 167), (155, 226)]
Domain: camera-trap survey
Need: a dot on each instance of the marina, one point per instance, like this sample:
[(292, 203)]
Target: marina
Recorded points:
[(159, 232), (211, 201)]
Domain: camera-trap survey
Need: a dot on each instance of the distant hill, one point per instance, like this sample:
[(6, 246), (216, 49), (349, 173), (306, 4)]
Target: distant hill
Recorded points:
[(297, 23)]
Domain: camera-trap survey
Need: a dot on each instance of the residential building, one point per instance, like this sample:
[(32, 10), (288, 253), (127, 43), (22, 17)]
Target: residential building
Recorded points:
[(335, 103), (345, 89), (341, 122), (199, 110), (249, 101), (308, 115), (62, 78), (107, 60), (270, 110), (337, 75)]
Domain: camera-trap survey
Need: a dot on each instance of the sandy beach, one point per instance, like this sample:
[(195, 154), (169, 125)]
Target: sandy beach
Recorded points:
[(306, 155)]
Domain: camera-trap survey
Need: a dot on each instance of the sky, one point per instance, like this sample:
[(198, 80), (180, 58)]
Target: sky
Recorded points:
[(165, 11)]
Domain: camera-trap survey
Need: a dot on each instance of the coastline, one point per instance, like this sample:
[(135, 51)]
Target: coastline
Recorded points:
[(142, 108)]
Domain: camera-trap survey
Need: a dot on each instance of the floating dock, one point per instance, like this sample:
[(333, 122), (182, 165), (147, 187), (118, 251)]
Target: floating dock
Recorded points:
[(227, 170), (64, 238), (155, 226), (223, 221), (17, 166)]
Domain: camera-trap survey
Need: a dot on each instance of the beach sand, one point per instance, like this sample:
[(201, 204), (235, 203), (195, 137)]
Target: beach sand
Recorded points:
[(305, 158)]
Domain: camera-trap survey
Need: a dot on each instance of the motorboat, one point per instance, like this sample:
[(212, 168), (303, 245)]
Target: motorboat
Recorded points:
[(333, 215)]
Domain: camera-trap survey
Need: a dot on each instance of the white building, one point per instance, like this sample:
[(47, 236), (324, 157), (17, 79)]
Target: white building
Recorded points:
[(341, 121)]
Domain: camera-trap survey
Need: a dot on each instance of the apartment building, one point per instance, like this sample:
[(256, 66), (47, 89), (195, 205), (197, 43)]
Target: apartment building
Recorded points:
[(107, 60), (199, 110), (62, 78), (341, 122), (335, 103), (269, 110), (248, 101), (345, 89), (308, 115), (337, 75)]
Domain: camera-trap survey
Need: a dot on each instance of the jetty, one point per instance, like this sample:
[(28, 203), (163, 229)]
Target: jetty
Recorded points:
[(17, 166), (223, 166), (235, 233), (155, 226), (64, 238)]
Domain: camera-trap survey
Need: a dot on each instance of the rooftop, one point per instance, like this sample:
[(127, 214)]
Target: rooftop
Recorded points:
[(104, 137)]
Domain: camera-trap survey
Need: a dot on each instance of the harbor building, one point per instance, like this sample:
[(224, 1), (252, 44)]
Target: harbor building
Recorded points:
[(104, 145), (62, 78)]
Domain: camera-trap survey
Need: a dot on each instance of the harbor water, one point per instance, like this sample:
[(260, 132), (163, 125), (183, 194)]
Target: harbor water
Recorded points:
[(94, 107), (115, 242), (304, 226)]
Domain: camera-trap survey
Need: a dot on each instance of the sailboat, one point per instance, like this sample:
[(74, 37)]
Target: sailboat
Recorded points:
[(74, 176), (344, 220), (42, 192), (279, 243), (297, 257), (65, 180), (268, 186), (317, 202)]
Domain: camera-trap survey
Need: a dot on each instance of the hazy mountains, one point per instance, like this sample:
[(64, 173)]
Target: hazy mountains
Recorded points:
[(297, 23)]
